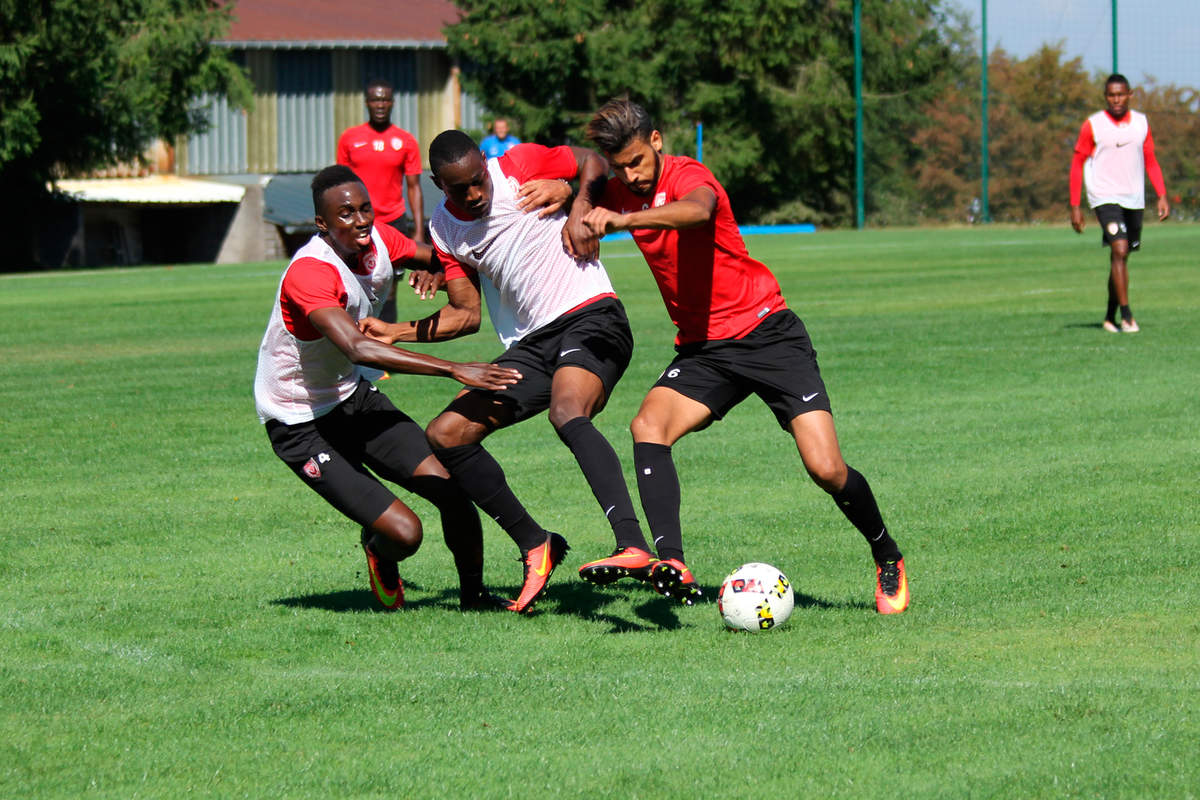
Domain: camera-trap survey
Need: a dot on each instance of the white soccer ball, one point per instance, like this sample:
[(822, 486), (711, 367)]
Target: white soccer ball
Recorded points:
[(755, 597)]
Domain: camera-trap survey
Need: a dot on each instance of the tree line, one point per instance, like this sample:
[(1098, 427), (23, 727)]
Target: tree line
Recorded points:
[(772, 81), (84, 85)]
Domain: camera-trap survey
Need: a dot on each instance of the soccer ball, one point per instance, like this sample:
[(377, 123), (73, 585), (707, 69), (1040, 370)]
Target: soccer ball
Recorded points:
[(755, 597)]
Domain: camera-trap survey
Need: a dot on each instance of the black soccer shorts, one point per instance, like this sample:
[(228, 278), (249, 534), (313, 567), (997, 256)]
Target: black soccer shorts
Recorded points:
[(596, 338), (1118, 222), (775, 361), (332, 453)]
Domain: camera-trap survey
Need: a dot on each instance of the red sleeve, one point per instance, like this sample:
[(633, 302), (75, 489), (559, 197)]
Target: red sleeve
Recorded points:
[(310, 284), (692, 175), (1085, 145), (528, 162), (343, 149), (451, 265), (399, 246), (1153, 170), (412, 157)]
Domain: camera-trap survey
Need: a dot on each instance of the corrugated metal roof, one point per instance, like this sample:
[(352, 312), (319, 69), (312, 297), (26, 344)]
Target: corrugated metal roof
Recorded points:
[(320, 22), (152, 189)]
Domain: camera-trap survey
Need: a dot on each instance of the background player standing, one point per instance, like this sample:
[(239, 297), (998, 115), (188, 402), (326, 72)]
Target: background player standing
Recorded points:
[(326, 420), (559, 319), (1113, 156), (736, 337), (499, 141), (388, 159)]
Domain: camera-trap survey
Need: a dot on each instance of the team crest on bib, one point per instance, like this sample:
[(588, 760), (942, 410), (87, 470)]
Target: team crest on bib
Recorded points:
[(397, 143), (368, 262), (513, 183), (1113, 228)]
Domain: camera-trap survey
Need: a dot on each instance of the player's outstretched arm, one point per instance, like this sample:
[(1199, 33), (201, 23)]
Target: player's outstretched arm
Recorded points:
[(694, 208), (459, 317), (336, 325)]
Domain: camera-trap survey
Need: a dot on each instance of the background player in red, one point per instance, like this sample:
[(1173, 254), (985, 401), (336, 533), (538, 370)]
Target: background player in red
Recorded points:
[(388, 160), (326, 420), (736, 337), (1113, 156), (560, 322)]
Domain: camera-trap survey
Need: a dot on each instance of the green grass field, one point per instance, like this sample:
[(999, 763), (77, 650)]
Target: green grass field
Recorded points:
[(179, 616)]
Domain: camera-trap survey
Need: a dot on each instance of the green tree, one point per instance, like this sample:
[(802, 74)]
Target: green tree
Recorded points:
[(1036, 107), (772, 81), (1174, 113), (89, 83)]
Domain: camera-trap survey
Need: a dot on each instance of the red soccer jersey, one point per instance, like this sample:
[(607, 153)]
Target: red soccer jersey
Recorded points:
[(311, 284), (381, 160), (713, 289)]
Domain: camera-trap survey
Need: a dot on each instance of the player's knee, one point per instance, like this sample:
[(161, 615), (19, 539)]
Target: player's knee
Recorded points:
[(442, 432), (827, 472), (398, 536), (560, 414), (646, 428)]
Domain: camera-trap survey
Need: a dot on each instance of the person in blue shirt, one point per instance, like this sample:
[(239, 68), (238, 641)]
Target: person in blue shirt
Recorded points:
[(499, 141)]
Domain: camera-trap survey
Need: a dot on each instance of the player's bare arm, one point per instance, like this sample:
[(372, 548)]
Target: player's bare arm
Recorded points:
[(337, 325), (694, 208), (459, 317), (578, 238), (416, 202)]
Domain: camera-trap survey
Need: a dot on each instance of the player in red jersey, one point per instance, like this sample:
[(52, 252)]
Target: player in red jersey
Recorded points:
[(1115, 154), (325, 419), (736, 336), (388, 160)]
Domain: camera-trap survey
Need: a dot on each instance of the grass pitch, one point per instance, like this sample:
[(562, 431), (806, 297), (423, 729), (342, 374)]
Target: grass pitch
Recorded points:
[(180, 616)]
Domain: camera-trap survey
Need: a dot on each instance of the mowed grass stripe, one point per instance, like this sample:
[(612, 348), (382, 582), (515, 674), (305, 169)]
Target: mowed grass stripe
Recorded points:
[(178, 614)]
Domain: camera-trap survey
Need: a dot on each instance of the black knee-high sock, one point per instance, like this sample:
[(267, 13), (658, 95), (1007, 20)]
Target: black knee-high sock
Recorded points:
[(1110, 313), (460, 527), (658, 486), (483, 480), (602, 469), (857, 502)]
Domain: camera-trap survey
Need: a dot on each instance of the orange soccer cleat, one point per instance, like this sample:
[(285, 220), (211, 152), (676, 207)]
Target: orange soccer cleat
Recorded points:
[(539, 565), (891, 587)]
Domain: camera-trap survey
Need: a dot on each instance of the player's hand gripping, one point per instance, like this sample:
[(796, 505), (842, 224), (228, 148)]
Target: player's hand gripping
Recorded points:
[(484, 376), (545, 196), (425, 283), (377, 329)]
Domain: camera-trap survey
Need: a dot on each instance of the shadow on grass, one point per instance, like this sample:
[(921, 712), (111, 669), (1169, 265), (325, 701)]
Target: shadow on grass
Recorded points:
[(586, 602), (808, 601), (1095, 326), (577, 599)]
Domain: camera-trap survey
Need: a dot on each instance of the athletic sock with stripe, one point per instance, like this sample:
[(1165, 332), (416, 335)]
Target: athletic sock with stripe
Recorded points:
[(857, 502), (483, 480), (602, 470), (658, 486)]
